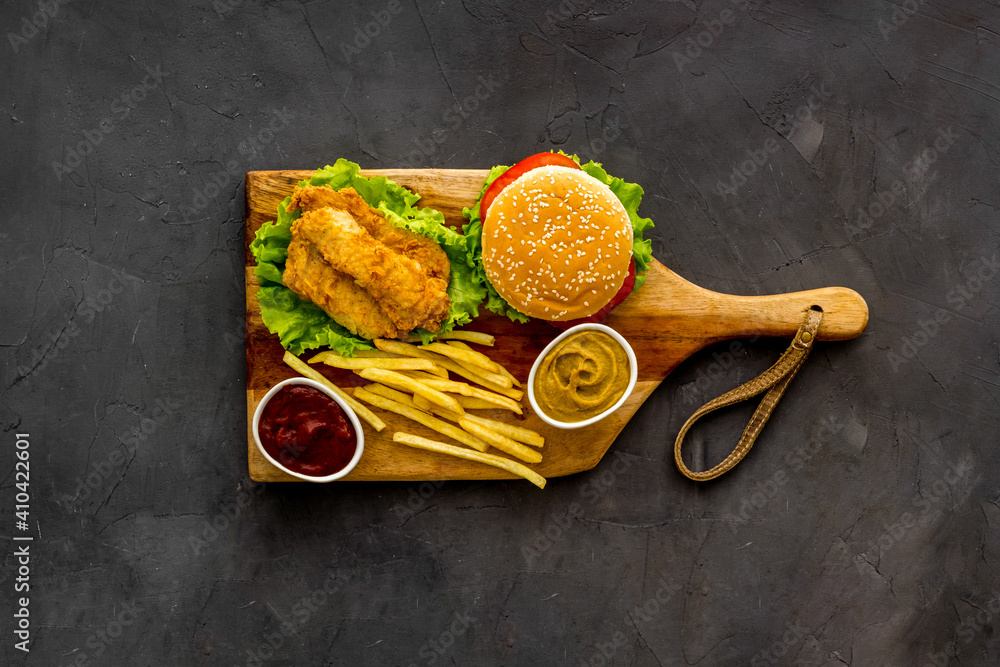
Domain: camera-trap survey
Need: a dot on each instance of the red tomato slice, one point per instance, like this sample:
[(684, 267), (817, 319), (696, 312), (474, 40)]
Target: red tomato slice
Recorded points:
[(519, 169), (599, 316)]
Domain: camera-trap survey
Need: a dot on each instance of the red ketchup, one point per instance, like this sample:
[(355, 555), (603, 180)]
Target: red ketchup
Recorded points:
[(306, 431)]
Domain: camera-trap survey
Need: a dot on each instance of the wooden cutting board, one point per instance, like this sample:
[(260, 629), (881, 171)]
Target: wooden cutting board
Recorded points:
[(666, 321)]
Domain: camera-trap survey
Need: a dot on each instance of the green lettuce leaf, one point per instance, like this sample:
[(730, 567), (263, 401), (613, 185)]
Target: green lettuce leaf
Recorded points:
[(302, 325), (630, 195), (474, 241)]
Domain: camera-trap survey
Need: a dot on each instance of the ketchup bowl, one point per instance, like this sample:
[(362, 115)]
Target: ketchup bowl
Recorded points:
[(304, 429)]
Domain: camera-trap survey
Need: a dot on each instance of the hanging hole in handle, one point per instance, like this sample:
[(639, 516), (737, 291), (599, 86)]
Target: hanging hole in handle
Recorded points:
[(807, 337)]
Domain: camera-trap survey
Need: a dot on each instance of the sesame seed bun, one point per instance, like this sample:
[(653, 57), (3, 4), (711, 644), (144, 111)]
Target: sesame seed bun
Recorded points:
[(557, 244)]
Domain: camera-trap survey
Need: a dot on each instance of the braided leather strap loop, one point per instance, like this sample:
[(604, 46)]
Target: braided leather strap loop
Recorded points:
[(775, 379)]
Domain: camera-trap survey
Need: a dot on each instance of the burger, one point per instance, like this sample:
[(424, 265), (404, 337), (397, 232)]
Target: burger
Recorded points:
[(558, 241)]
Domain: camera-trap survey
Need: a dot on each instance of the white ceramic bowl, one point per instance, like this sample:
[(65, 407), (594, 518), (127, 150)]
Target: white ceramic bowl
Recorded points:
[(351, 416), (633, 376)]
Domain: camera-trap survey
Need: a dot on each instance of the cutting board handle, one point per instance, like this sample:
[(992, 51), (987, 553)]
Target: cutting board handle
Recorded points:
[(694, 316), (845, 313)]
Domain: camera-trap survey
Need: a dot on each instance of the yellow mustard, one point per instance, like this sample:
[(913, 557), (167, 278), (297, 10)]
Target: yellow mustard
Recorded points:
[(581, 377)]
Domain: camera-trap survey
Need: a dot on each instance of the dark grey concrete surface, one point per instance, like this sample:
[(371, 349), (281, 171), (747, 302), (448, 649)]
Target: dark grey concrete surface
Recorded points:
[(861, 530)]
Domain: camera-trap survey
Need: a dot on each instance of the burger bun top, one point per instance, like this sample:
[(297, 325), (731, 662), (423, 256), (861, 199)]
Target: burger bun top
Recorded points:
[(557, 244)]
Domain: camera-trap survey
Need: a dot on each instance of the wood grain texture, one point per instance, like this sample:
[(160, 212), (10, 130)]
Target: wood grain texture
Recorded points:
[(666, 321)]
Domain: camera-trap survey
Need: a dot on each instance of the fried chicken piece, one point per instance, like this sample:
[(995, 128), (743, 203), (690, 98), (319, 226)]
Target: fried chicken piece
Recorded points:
[(420, 248), (308, 275), (401, 285)]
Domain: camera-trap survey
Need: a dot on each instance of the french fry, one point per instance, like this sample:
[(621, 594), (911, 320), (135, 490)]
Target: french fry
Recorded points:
[(489, 459), (478, 376), (509, 392), (427, 420), (477, 337), (510, 376), (518, 433), (444, 386), (448, 414), (408, 350), (362, 412), (408, 384), (468, 356), (461, 388), (375, 354), (480, 404), (501, 442), (497, 379), (496, 399), (395, 347), (389, 393), (472, 336), (380, 354), (402, 364), (438, 371), (503, 371), (483, 376), (420, 375), (422, 403)]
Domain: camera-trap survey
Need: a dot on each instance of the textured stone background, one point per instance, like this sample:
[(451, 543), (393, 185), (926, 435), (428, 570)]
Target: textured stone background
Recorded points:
[(862, 528)]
